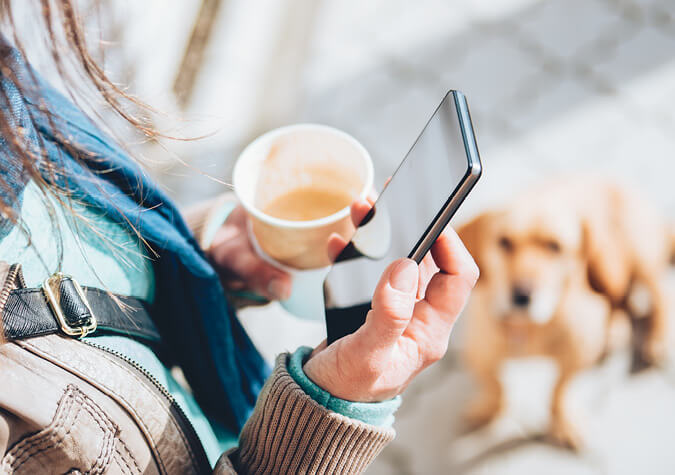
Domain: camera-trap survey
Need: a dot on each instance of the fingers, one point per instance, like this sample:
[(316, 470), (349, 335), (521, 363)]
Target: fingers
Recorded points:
[(269, 281), (234, 255), (392, 305), (260, 276), (428, 269), (359, 210), (452, 257), (361, 207), (435, 316), (336, 244), (445, 296), (449, 289)]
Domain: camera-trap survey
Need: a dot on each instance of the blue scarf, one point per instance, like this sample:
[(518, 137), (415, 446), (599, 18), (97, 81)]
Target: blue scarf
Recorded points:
[(199, 328)]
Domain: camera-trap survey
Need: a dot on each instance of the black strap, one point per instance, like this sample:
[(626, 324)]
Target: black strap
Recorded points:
[(27, 313)]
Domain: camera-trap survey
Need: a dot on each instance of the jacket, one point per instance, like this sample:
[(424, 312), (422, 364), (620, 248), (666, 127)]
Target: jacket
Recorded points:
[(198, 325), (70, 406)]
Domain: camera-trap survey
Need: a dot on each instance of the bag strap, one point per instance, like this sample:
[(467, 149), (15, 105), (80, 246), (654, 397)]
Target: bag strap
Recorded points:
[(62, 306)]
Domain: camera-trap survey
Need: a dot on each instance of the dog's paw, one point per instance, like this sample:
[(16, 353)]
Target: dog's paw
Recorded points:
[(480, 413), (655, 351), (565, 434)]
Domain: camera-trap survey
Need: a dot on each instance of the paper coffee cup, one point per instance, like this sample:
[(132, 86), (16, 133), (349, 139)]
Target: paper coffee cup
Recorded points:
[(299, 157)]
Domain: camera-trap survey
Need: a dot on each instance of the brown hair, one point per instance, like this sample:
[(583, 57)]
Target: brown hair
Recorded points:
[(64, 39)]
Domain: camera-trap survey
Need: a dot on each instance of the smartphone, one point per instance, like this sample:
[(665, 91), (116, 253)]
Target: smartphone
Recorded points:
[(410, 213)]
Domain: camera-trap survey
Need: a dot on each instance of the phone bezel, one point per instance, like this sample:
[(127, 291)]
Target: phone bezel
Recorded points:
[(466, 184)]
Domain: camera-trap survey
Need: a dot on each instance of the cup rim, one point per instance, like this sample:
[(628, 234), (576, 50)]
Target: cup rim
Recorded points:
[(332, 218)]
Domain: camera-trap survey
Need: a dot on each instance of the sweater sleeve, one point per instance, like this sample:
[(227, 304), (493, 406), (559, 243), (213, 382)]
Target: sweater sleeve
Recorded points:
[(289, 432)]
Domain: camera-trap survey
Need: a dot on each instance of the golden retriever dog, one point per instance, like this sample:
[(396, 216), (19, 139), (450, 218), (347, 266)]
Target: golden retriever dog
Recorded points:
[(557, 266)]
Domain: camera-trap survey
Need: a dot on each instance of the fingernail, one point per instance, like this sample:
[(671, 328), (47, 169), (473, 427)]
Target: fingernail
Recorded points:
[(279, 288), (404, 276)]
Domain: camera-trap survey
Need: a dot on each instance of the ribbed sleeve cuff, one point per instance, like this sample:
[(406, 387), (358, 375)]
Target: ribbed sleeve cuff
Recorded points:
[(376, 413), (289, 432)]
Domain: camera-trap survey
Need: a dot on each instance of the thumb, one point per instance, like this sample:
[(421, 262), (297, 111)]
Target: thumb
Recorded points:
[(393, 303)]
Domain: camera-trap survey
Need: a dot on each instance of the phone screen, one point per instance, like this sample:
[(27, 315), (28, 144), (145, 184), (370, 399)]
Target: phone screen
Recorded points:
[(421, 193)]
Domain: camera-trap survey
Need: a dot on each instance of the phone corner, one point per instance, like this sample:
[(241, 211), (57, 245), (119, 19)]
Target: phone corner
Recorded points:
[(475, 169)]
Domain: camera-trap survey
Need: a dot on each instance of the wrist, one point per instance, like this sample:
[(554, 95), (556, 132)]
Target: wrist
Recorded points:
[(343, 380), (374, 413)]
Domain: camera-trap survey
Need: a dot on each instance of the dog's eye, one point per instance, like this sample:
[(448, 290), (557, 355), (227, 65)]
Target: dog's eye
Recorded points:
[(506, 244), (552, 246)]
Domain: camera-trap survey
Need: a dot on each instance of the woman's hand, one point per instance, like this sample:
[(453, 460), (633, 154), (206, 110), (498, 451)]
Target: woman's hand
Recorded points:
[(413, 311), (240, 266)]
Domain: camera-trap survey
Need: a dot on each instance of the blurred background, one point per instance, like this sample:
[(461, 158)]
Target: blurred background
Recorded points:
[(554, 86)]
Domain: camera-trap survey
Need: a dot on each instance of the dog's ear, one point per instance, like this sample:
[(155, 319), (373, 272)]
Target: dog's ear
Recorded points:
[(476, 235), (608, 261)]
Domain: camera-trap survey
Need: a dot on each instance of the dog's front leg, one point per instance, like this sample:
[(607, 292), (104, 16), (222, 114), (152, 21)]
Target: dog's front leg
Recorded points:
[(563, 430), (488, 403), (655, 346)]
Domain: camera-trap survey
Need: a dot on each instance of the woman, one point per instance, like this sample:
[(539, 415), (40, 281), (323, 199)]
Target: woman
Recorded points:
[(86, 385)]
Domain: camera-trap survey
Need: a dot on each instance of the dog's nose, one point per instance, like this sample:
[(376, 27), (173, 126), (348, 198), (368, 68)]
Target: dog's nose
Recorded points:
[(521, 296)]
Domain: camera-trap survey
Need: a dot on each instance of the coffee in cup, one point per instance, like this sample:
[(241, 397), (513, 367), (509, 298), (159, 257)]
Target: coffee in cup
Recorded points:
[(297, 184)]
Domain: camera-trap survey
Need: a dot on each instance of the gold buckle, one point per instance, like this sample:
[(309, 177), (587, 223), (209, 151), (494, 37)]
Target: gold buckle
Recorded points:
[(52, 290)]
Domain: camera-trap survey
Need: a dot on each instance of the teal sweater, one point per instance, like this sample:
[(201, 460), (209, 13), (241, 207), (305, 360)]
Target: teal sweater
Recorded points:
[(107, 256)]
